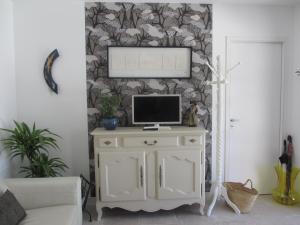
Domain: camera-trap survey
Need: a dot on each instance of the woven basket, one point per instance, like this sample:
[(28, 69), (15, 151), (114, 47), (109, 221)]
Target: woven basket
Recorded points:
[(242, 196)]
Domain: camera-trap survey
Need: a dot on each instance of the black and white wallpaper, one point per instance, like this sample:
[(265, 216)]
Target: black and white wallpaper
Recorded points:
[(148, 24)]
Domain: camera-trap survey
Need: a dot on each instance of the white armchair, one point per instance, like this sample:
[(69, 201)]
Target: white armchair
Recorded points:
[(48, 201)]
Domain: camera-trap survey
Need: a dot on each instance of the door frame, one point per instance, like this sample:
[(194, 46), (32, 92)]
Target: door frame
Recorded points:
[(228, 48)]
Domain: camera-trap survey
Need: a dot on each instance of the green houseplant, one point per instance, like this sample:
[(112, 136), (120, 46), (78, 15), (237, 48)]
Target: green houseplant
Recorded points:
[(109, 106), (33, 145)]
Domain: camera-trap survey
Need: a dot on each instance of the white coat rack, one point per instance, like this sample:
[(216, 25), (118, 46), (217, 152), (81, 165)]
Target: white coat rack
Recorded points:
[(218, 190)]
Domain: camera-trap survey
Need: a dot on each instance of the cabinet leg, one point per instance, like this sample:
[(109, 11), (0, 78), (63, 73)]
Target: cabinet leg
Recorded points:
[(99, 211), (201, 209)]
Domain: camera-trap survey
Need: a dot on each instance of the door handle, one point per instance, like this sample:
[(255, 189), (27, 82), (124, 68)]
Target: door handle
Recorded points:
[(142, 176), (153, 143), (193, 140), (107, 142), (234, 120), (160, 174), (99, 194)]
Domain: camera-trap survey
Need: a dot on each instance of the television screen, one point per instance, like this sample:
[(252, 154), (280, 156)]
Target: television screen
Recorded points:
[(156, 109)]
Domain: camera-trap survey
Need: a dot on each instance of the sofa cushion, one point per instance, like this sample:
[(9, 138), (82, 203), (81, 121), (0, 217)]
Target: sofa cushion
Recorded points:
[(35, 193), (11, 212), (55, 215)]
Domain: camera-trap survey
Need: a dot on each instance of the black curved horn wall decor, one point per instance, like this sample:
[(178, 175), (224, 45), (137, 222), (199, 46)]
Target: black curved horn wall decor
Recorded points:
[(47, 71)]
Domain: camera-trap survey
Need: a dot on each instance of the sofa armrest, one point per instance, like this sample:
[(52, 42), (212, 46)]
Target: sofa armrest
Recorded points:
[(43, 192)]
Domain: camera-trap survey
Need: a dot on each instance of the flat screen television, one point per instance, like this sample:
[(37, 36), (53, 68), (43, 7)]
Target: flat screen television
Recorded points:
[(156, 109)]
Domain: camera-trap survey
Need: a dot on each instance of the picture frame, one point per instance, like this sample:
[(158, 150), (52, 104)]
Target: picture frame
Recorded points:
[(149, 62)]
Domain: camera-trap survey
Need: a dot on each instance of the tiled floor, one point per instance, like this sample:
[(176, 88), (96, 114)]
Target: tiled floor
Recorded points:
[(265, 212)]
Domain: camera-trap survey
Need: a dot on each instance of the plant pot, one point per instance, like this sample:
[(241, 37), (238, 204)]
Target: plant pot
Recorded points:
[(110, 123), (285, 192)]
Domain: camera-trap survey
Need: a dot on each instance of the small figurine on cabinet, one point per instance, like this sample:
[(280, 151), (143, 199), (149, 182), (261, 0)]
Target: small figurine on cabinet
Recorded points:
[(192, 117)]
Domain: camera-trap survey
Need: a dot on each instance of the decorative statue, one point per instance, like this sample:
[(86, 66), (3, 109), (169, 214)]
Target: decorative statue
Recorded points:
[(193, 120)]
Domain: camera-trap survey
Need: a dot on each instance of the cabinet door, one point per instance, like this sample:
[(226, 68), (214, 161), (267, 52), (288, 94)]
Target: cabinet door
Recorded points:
[(122, 176), (178, 174)]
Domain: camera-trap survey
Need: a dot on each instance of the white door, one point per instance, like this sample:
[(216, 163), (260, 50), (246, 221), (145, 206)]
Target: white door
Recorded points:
[(178, 174), (122, 176), (254, 113)]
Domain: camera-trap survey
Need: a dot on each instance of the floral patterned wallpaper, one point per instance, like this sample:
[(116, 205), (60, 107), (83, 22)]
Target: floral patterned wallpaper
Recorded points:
[(148, 24)]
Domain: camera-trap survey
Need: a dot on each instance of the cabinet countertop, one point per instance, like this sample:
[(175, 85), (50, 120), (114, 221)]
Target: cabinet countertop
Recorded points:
[(133, 130)]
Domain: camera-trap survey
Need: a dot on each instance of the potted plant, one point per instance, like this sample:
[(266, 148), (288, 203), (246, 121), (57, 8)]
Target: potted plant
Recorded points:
[(33, 146), (109, 105)]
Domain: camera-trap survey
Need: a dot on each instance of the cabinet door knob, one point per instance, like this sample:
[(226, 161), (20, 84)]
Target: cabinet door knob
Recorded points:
[(107, 142), (193, 140), (153, 143)]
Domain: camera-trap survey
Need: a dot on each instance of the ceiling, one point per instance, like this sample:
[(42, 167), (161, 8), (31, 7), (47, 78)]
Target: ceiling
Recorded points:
[(263, 2), (253, 2)]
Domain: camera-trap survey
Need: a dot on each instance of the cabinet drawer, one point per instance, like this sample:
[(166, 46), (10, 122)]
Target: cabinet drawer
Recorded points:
[(193, 140), (108, 142), (151, 141)]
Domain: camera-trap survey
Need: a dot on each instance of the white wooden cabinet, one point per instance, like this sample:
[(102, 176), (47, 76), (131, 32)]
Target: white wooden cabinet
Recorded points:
[(149, 170)]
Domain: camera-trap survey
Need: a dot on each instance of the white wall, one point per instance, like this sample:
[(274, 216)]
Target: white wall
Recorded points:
[(40, 27), (248, 21), (293, 93), (294, 124), (7, 78)]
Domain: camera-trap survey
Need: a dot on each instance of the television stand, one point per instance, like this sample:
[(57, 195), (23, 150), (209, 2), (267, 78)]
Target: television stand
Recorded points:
[(157, 127), (136, 170)]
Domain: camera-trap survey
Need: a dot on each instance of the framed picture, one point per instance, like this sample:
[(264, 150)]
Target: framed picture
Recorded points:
[(149, 62)]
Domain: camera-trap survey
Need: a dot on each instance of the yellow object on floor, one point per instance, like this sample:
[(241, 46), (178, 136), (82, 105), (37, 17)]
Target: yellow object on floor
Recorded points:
[(285, 192)]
